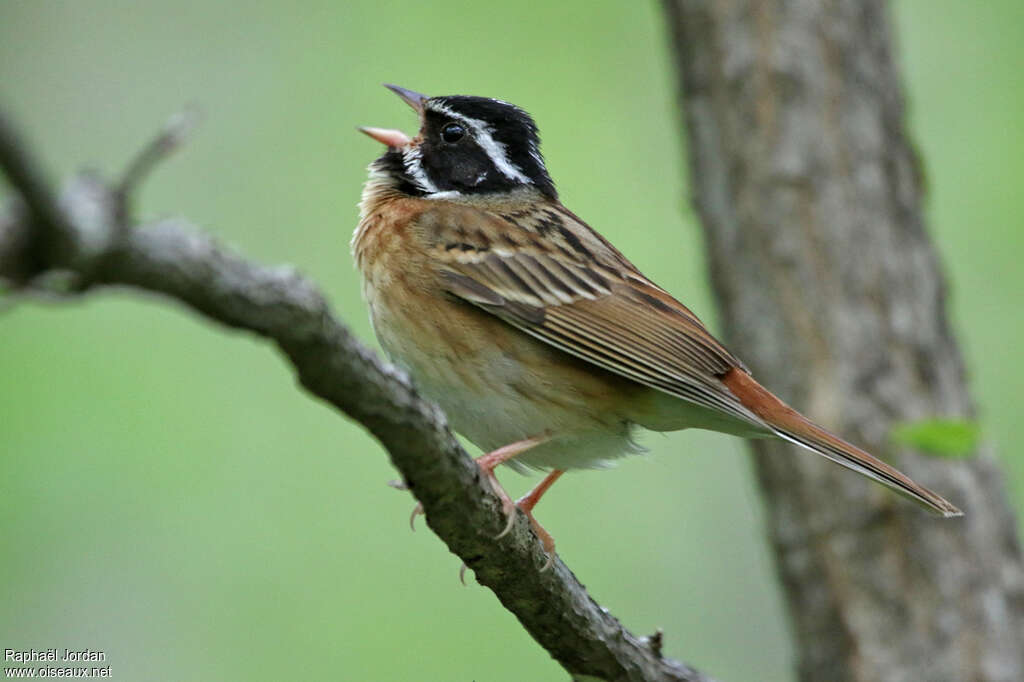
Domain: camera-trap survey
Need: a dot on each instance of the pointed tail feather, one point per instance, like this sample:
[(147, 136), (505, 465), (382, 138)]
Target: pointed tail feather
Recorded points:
[(789, 424)]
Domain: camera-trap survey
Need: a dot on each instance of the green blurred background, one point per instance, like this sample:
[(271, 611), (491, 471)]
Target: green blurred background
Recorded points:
[(168, 496)]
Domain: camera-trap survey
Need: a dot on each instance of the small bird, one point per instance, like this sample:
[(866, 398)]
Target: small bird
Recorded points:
[(542, 343)]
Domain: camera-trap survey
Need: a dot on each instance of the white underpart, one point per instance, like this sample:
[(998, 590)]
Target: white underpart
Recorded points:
[(496, 151)]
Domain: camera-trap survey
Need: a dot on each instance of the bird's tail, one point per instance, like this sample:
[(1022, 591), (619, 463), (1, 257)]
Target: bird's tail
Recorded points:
[(789, 424)]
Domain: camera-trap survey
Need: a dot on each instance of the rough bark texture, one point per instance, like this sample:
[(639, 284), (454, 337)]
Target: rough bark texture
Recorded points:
[(88, 237), (830, 289)]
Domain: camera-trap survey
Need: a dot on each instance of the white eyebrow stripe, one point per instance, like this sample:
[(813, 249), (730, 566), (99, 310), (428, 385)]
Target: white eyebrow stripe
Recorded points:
[(496, 151)]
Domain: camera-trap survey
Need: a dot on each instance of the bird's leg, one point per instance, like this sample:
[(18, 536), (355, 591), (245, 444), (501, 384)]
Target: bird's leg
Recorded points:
[(488, 463), (528, 501)]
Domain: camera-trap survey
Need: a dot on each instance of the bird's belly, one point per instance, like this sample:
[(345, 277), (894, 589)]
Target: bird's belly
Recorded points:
[(498, 385)]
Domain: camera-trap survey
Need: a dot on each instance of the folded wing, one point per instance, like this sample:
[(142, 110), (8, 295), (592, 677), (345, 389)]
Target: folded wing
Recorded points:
[(554, 278)]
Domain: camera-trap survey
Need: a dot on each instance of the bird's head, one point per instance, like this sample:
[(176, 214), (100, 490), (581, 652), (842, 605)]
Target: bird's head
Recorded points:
[(466, 146)]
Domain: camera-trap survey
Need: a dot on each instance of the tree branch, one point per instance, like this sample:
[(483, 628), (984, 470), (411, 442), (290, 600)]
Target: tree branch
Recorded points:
[(88, 234)]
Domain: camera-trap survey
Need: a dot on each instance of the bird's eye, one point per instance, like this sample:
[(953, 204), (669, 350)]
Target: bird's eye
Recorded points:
[(452, 133)]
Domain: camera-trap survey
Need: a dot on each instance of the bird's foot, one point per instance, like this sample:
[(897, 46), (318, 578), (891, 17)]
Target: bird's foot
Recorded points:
[(489, 462), (527, 502)]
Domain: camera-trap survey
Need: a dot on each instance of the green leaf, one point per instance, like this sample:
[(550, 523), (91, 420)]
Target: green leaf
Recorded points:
[(940, 437)]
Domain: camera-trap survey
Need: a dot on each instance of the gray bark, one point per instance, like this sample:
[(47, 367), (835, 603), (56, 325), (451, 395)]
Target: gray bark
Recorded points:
[(830, 289), (90, 239)]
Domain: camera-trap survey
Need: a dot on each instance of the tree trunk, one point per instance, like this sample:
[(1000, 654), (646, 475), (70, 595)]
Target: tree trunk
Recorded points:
[(830, 289)]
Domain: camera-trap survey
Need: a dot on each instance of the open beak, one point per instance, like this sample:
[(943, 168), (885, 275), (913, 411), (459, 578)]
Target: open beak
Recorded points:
[(392, 138), (396, 138)]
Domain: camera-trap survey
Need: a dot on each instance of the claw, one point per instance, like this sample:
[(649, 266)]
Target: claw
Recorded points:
[(416, 511), (509, 510), (487, 465)]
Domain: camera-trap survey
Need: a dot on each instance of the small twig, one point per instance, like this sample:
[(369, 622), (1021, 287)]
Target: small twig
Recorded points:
[(174, 134), (656, 641)]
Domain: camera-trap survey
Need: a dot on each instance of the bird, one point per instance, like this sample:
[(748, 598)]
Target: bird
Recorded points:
[(544, 345)]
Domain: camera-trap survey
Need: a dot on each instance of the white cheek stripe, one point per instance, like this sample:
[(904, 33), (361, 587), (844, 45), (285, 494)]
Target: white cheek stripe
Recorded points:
[(494, 150), (412, 159)]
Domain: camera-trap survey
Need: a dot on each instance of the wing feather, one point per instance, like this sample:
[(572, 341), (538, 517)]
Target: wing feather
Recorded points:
[(586, 299), (559, 281)]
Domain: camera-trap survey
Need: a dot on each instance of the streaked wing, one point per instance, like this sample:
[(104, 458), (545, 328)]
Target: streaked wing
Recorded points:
[(548, 274), (544, 271)]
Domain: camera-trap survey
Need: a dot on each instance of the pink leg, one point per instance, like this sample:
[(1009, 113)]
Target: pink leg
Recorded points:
[(528, 501), (488, 463)]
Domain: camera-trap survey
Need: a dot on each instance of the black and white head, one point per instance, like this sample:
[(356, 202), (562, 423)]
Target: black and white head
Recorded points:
[(466, 146)]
